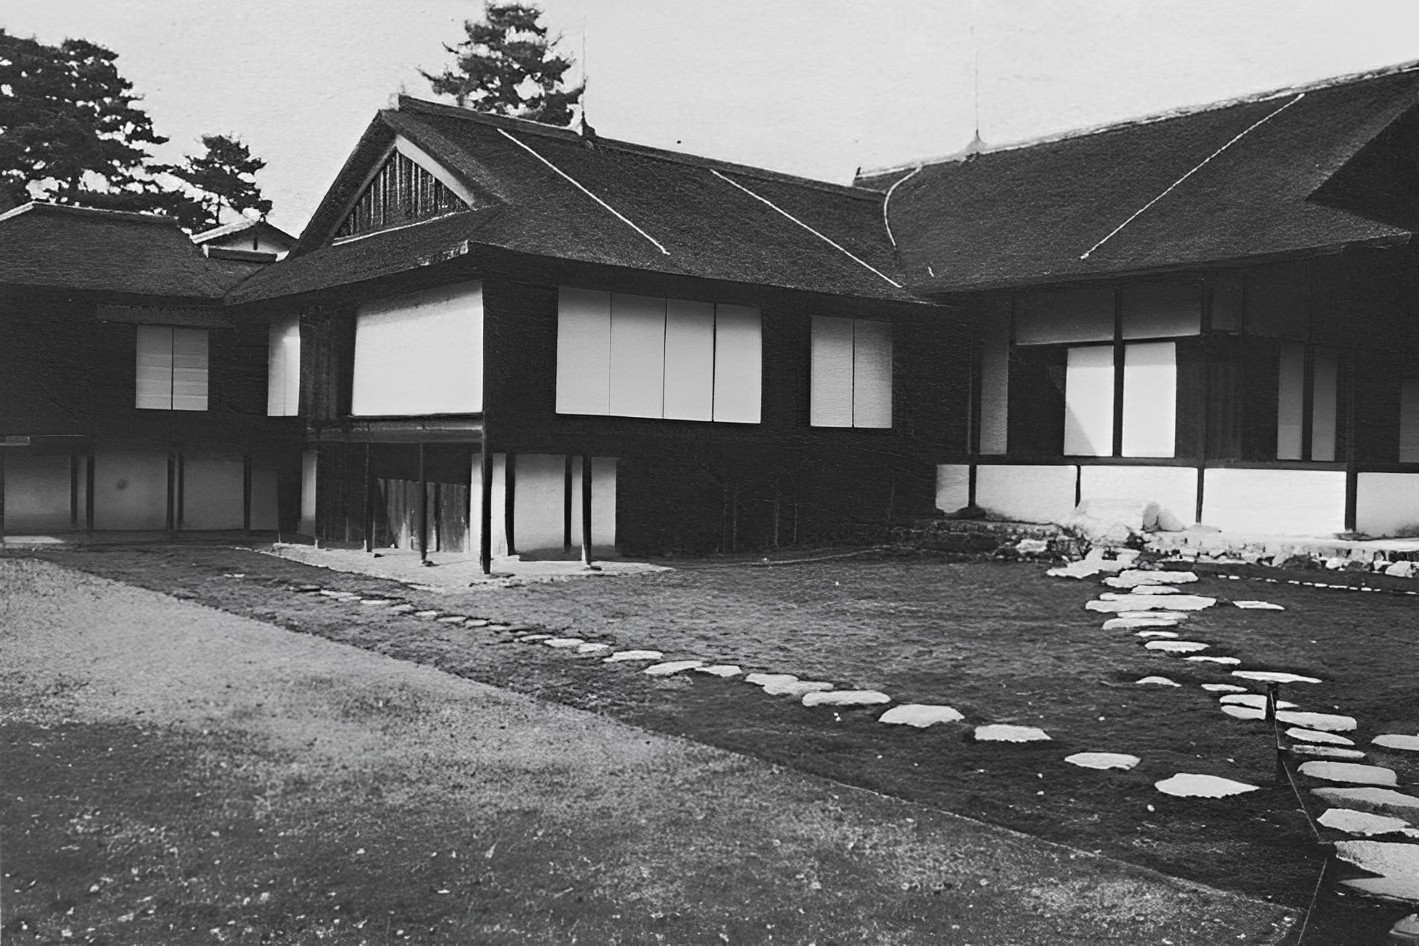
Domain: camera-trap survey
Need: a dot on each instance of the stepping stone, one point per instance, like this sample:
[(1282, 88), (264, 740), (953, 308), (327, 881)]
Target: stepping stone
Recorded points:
[(1000, 732), (796, 688), (1254, 699), (1354, 773), (1311, 735), (1134, 577), (533, 638), (332, 593), (562, 643), (376, 602), (721, 670), (1381, 800), (624, 655), (1361, 822), (1397, 741), (764, 679), (452, 619), (920, 715), (672, 667), (303, 589), (1223, 688), (1163, 634), (846, 698), (401, 609), (1123, 602), (1160, 681), (477, 622), (1103, 760), (1155, 590), (1129, 624), (1164, 618), (1244, 712), (1406, 929), (1191, 785), (426, 614), (1396, 863), (1327, 752), (1273, 676), (1328, 722), (1258, 606), (1225, 661), (587, 650), (1176, 647)]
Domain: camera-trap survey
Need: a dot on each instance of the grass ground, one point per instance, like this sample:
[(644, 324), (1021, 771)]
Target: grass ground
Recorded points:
[(175, 774), (1000, 643)]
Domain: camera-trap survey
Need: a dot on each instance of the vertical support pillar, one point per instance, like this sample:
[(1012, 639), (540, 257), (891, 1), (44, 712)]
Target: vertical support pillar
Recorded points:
[(73, 491), (510, 500), (1352, 462), (368, 504), (1119, 357), (586, 510), (246, 493), (1204, 392), (423, 509), (485, 508), (172, 493), (567, 504), (89, 490), (2, 496)]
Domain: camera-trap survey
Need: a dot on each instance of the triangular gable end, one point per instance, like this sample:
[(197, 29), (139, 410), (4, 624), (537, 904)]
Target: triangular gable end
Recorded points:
[(408, 186)]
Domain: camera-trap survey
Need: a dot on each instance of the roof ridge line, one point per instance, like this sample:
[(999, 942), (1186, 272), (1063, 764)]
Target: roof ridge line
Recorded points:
[(664, 154), (1149, 118), (80, 211)]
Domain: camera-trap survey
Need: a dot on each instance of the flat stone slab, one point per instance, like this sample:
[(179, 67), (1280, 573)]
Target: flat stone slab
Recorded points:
[(1176, 647), (593, 648), (1254, 699), (1354, 773), (1258, 606), (1160, 681), (470, 622), (426, 614), (1273, 676), (453, 619), (1223, 688), (846, 698), (1111, 602), (1103, 760), (1192, 785), (764, 679), (920, 715), (1363, 823), (1397, 741), (1244, 712), (1225, 661), (377, 602), (1382, 800), (672, 667), (1002, 732), (1170, 617), (720, 670), (1161, 634), (1406, 929), (1327, 752), (563, 643), (536, 638), (796, 688), (1129, 624), (1154, 590), (1396, 863), (621, 656), (1132, 577), (1313, 735), (1327, 722)]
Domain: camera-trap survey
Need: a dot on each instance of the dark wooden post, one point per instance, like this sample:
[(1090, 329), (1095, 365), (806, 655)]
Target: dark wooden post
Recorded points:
[(1352, 455), (423, 510), (567, 504), (172, 493), (485, 507), (1205, 393), (586, 510), (368, 501), (510, 501), (1120, 356), (89, 490), (73, 491), (246, 493), (2, 495)]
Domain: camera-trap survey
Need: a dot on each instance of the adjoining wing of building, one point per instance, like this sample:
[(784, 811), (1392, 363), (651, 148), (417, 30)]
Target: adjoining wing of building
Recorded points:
[(495, 336)]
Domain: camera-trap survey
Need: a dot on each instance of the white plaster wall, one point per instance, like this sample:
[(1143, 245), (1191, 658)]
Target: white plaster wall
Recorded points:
[(689, 360), (212, 492), (637, 356), (497, 499), (420, 354), (1150, 399), (1027, 493), (1275, 502), (583, 351), (738, 364), (1290, 388), (953, 486), (830, 370), (603, 502), (36, 493), (1171, 487), (309, 469), (872, 374), (130, 490), (539, 502), (1089, 402), (1386, 503)]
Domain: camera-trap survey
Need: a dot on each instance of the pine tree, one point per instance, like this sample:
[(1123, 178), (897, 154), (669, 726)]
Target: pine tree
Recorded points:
[(507, 66), (223, 178), (73, 131)]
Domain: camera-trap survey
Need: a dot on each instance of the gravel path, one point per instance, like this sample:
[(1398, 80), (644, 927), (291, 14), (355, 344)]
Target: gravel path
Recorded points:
[(659, 839)]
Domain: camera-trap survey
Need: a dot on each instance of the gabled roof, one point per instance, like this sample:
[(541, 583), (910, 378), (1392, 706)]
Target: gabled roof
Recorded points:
[(550, 192), (1224, 182), (242, 226), (84, 250)]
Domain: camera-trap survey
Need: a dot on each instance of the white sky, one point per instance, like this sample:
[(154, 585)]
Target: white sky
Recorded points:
[(812, 87)]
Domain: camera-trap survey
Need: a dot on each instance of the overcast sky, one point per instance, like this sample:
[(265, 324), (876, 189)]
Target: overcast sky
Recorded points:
[(812, 87)]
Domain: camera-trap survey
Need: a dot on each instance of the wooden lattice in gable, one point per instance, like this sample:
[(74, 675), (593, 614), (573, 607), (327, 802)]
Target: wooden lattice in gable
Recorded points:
[(400, 192)]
